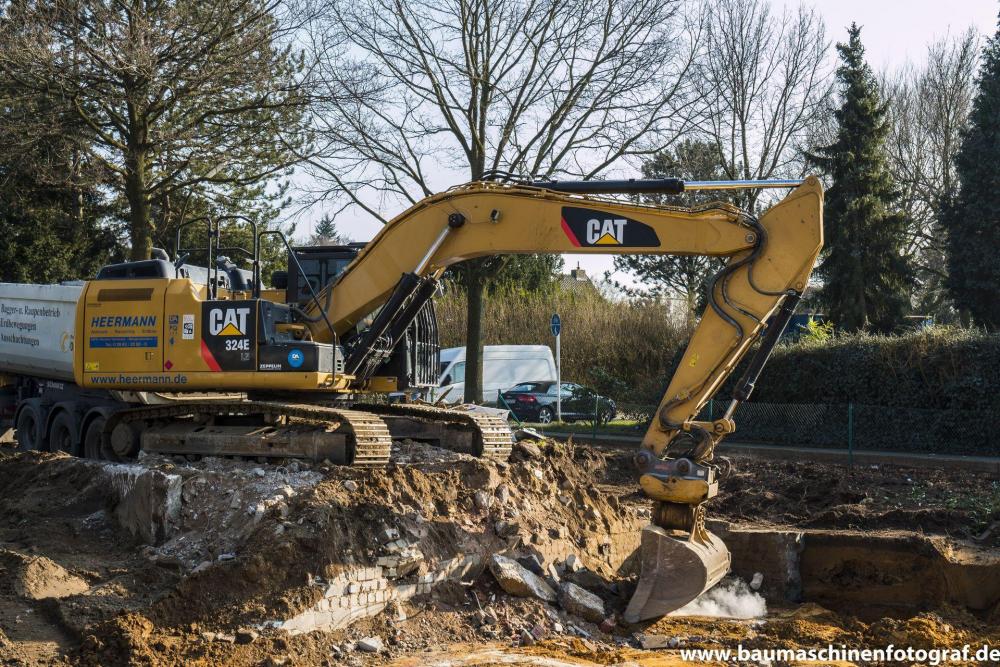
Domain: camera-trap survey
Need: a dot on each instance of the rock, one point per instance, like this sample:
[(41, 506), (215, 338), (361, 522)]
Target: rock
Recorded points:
[(259, 472), (581, 602), (527, 639), (518, 581), (502, 494), (226, 556), (654, 642), (225, 638), (482, 500), (208, 636), (564, 499), (589, 580), (371, 645), (539, 632), (532, 564), (757, 581), (572, 563), (557, 628), (235, 503), (202, 566), (505, 528), (350, 485), (528, 449), (608, 624), (246, 636)]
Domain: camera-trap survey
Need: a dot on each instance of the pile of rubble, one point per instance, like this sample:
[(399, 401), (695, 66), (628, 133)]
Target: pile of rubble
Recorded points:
[(240, 554)]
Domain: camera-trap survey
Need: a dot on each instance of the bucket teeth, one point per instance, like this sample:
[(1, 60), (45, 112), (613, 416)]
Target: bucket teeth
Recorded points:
[(675, 570)]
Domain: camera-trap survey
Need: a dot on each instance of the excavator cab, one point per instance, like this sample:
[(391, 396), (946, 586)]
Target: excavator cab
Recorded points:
[(410, 357)]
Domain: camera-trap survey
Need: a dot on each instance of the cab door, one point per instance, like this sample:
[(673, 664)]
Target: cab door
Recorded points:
[(123, 327)]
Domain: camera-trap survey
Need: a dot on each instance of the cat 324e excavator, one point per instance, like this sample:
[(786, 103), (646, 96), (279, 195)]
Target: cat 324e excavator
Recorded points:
[(172, 358)]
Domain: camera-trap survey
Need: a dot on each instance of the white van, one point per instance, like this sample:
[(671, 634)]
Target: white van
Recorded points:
[(503, 367)]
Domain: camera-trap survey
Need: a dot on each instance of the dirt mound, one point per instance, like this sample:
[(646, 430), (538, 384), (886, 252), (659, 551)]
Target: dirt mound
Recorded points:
[(38, 577), (545, 505), (426, 525), (11, 652)]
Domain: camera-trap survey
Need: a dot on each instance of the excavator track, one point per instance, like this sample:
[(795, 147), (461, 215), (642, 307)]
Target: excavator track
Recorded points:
[(367, 436), (491, 436)]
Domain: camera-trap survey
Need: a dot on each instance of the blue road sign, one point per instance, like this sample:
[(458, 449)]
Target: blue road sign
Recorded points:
[(556, 324)]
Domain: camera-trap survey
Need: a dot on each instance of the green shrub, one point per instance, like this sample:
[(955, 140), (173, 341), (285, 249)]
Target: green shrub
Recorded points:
[(939, 367)]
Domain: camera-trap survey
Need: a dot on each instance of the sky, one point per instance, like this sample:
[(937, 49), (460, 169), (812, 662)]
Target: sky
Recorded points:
[(894, 32)]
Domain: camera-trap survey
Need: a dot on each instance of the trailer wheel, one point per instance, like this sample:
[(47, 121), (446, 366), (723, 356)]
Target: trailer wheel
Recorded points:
[(92, 438), (63, 435), (28, 426)]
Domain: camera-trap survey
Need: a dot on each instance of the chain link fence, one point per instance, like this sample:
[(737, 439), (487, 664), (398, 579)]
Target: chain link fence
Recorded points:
[(855, 426)]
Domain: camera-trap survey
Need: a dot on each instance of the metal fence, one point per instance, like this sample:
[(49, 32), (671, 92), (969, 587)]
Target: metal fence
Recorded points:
[(854, 426)]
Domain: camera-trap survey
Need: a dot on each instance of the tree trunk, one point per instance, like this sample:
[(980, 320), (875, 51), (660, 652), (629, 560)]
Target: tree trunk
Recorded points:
[(136, 181), (140, 224), (474, 332)]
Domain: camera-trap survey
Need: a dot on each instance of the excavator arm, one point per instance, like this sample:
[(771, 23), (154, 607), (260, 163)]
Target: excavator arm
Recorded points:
[(767, 267)]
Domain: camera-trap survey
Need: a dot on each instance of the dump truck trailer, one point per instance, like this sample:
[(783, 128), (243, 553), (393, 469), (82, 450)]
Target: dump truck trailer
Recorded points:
[(37, 339)]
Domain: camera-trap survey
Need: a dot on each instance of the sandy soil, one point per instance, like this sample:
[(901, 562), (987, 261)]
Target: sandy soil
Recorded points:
[(79, 590)]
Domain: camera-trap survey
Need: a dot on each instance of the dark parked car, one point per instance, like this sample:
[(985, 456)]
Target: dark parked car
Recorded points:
[(536, 402)]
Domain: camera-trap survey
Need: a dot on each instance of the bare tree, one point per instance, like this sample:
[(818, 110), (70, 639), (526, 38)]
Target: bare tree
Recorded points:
[(767, 83), (195, 93), (929, 109), (416, 95)]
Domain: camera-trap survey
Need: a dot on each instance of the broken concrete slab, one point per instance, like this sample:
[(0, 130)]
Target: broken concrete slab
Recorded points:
[(371, 645), (147, 502), (517, 580), (581, 602)]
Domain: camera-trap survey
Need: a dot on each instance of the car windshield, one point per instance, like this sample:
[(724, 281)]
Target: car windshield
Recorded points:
[(529, 387)]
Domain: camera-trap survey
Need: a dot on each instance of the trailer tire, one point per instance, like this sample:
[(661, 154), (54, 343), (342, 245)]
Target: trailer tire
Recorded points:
[(93, 437), (28, 428), (64, 434)]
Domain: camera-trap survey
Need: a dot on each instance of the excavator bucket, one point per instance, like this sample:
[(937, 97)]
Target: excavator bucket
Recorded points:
[(675, 570)]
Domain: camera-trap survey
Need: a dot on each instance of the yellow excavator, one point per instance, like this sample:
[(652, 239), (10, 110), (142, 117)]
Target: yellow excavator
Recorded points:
[(168, 357)]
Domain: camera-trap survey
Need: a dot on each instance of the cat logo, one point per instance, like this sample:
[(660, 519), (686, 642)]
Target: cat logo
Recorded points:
[(228, 321), (606, 232), (592, 228)]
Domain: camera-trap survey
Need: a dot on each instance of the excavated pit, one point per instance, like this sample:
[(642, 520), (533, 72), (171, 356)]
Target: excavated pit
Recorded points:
[(866, 575)]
